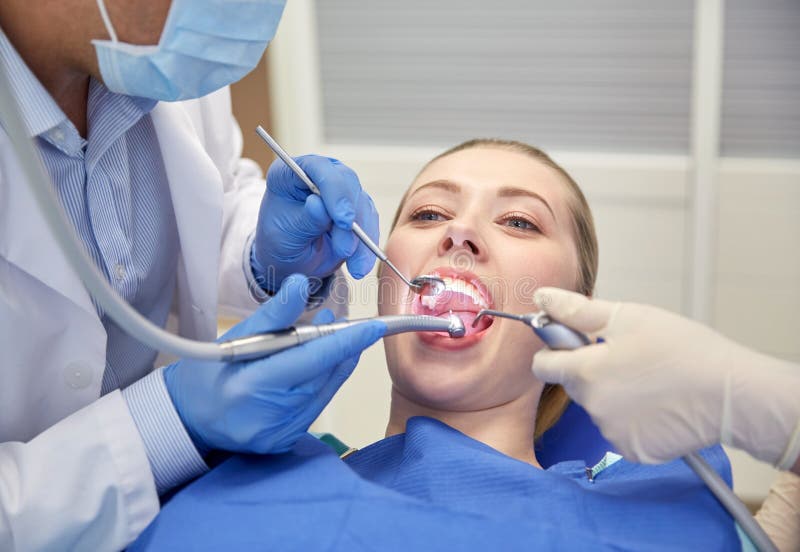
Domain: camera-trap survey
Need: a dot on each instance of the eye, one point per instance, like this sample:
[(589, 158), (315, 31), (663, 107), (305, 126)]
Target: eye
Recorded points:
[(519, 221), (428, 213)]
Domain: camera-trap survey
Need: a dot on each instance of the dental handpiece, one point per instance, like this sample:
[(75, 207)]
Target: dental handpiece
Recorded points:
[(261, 345)]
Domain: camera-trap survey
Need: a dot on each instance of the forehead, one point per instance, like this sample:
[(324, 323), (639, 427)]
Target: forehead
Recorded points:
[(484, 170)]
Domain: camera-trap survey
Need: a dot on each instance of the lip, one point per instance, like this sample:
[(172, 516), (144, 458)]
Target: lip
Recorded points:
[(457, 304)]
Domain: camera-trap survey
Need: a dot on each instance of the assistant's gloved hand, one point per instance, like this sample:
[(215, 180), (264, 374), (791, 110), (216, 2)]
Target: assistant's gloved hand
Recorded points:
[(265, 405), (779, 515), (661, 385), (299, 231)]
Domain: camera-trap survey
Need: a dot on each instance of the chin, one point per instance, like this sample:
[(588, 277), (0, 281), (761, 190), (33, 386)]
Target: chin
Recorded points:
[(445, 383), (437, 387)]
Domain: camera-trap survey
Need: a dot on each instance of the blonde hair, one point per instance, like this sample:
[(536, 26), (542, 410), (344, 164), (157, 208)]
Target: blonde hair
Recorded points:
[(554, 399)]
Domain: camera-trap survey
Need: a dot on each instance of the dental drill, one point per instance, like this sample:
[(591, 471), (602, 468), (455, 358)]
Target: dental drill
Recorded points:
[(259, 345), (558, 336)]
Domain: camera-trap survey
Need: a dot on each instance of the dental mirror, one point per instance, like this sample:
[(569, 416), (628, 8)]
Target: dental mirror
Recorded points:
[(423, 285), (427, 285)]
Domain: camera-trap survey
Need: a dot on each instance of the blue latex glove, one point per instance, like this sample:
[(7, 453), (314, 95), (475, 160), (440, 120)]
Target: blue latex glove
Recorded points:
[(300, 232), (265, 405)]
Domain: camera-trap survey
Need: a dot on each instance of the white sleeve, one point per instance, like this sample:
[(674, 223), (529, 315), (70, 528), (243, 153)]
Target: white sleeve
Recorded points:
[(83, 484)]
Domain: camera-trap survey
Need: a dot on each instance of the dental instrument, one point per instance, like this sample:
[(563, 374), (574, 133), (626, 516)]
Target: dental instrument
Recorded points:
[(266, 344), (558, 336), (423, 285), (555, 335), (120, 311)]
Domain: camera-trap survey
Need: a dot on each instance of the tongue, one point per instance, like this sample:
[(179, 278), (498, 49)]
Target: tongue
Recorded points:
[(447, 300), (468, 317), (460, 304)]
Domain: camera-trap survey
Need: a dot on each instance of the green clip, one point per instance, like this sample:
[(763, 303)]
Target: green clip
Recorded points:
[(338, 446), (609, 459)]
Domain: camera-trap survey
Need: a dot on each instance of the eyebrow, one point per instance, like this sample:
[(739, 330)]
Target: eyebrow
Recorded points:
[(446, 185), (509, 191), (506, 191)]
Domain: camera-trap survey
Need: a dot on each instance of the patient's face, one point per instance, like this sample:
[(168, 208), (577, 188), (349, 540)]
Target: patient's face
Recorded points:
[(495, 225)]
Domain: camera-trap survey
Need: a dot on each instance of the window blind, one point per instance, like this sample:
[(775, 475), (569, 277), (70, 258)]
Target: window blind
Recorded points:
[(579, 75)]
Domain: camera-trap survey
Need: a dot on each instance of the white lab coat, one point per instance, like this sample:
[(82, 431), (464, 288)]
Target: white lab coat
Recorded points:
[(73, 469)]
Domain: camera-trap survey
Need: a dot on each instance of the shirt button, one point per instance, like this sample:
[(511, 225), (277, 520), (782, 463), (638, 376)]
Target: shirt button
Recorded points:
[(78, 375), (119, 271)]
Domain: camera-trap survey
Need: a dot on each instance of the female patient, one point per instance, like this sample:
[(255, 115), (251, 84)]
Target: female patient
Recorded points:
[(458, 468), (496, 219)]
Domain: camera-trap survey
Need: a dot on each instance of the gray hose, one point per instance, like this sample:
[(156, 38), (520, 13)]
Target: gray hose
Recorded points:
[(123, 314), (731, 502)]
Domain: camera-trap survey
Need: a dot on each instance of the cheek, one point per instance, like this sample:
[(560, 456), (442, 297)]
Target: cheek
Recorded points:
[(537, 265), (398, 250), (556, 270), (392, 298), (408, 250), (393, 295), (405, 246)]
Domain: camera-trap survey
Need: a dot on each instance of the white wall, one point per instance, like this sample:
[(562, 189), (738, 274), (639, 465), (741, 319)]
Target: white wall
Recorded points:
[(716, 238)]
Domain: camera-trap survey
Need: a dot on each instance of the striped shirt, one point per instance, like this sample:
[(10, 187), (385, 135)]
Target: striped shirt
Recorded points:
[(114, 189)]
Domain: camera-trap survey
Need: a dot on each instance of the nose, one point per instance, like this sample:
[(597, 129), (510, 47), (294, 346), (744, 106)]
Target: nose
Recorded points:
[(459, 236)]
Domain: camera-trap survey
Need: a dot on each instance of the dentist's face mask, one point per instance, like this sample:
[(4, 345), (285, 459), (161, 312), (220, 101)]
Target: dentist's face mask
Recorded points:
[(205, 45)]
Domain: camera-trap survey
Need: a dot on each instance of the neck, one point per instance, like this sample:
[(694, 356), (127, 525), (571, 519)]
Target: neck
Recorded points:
[(507, 428), (53, 39)]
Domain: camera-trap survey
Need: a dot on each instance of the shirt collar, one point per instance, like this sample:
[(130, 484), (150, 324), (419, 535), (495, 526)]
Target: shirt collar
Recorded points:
[(43, 117), (39, 111), (109, 116)]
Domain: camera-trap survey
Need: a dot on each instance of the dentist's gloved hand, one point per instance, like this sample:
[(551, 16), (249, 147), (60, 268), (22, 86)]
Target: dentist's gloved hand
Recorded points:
[(265, 405), (661, 386), (300, 232)]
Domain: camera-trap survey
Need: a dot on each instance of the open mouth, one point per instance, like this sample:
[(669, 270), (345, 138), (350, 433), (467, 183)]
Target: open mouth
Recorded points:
[(463, 296)]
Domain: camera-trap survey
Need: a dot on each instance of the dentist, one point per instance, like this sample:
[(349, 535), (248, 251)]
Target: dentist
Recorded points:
[(128, 106)]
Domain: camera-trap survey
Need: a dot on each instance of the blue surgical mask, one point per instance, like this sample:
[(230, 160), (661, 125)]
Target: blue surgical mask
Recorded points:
[(205, 45)]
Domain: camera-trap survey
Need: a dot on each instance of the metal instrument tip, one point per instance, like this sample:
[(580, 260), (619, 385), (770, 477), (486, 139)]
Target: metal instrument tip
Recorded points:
[(456, 328), (496, 313), (428, 285)]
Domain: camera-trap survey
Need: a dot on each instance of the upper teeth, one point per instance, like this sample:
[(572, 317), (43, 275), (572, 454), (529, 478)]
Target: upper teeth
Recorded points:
[(461, 286)]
